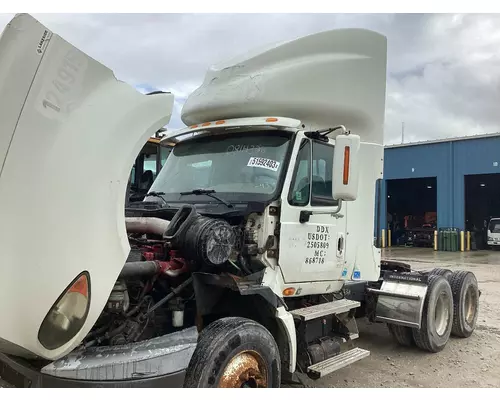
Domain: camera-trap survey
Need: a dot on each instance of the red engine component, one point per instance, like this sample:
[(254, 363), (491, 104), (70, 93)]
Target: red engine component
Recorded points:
[(153, 252), (175, 266)]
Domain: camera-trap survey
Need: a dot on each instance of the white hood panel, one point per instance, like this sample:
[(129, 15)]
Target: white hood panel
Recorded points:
[(69, 134)]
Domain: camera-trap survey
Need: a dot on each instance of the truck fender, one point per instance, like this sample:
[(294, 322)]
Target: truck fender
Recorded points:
[(287, 324), (219, 295)]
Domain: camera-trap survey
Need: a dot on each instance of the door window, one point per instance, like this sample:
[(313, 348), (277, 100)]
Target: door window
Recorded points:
[(299, 195), (150, 163), (322, 159), (314, 164)]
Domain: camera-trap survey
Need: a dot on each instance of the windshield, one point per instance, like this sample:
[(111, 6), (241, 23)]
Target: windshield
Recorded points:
[(243, 167), (495, 226)]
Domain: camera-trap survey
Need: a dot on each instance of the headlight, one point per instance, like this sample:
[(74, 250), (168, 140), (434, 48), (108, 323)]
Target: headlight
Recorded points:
[(67, 315), (490, 239)]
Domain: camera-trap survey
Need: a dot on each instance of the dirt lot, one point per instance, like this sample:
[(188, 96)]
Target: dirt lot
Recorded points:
[(472, 362)]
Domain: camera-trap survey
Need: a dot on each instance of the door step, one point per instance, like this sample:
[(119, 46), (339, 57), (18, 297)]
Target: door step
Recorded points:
[(333, 364), (320, 310)]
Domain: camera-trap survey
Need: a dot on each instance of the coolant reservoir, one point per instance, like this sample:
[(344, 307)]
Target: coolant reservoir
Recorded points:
[(330, 78)]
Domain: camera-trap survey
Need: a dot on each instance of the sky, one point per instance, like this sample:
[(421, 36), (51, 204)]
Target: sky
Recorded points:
[(443, 77)]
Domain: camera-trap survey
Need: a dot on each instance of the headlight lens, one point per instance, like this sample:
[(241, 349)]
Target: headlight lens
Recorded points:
[(67, 315)]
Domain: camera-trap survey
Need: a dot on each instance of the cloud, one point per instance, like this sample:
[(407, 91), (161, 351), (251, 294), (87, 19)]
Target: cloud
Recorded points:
[(443, 78)]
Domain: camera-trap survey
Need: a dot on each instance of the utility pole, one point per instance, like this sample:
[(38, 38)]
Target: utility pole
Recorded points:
[(402, 132)]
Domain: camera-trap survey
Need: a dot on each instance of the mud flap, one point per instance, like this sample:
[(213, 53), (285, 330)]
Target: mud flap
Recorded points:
[(400, 300), (69, 134)]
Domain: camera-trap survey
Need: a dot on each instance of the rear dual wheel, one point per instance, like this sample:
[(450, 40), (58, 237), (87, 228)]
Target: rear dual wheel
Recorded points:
[(437, 316), (465, 300), (401, 334), (465, 303), (450, 308), (442, 272), (437, 319)]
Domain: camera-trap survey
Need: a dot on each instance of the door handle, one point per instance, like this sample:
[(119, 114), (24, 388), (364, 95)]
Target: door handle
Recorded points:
[(340, 244), (304, 216)]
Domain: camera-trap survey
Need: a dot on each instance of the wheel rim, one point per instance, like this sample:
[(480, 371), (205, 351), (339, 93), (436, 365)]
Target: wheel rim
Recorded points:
[(245, 370), (441, 314), (470, 305)]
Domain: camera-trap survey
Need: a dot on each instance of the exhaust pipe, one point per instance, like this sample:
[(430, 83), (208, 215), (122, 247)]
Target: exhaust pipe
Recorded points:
[(151, 225)]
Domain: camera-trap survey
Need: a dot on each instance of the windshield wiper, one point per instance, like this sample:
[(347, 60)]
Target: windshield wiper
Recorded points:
[(157, 194), (207, 192)]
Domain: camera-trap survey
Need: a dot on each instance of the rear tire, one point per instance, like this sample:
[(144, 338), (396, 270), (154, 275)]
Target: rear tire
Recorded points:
[(401, 334), (234, 352), (465, 303), (437, 316), (441, 272)]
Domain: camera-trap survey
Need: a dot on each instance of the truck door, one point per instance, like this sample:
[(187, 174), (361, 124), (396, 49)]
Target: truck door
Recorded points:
[(312, 236)]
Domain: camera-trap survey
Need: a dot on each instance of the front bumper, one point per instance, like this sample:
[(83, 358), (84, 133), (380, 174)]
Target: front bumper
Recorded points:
[(159, 362), (16, 372)]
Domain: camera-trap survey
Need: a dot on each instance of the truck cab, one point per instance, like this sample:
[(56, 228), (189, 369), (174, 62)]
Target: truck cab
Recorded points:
[(276, 163)]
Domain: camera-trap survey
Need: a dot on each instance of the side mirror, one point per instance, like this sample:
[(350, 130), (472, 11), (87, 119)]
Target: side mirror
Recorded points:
[(346, 167)]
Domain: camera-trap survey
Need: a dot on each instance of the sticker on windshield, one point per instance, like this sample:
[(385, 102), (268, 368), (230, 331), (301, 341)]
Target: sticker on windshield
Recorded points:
[(263, 163)]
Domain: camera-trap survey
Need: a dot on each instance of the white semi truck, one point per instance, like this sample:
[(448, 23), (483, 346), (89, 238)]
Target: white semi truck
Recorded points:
[(253, 254)]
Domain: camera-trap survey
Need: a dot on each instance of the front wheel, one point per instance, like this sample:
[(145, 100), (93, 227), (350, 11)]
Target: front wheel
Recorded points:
[(234, 352)]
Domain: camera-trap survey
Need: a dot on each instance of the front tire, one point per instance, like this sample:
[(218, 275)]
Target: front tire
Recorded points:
[(437, 316), (234, 352)]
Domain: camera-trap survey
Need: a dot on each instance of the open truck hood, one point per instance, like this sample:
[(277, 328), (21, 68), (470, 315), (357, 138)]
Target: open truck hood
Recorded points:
[(69, 134)]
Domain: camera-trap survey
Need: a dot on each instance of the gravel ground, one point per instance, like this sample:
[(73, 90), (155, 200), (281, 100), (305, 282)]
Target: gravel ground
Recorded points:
[(472, 362)]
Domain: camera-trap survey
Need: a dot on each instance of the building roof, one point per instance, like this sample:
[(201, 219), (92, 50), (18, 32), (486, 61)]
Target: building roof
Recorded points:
[(453, 139)]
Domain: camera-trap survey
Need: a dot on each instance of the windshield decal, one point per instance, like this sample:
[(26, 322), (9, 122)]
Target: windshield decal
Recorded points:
[(263, 163), (250, 149)]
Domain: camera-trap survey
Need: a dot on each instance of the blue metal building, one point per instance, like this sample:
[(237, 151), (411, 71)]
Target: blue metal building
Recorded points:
[(450, 162)]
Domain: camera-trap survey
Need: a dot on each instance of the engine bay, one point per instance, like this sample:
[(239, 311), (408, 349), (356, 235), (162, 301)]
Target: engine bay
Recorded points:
[(154, 295)]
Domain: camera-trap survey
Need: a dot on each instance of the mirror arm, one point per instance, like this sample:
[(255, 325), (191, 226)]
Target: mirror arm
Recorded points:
[(323, 133), (305, 215)]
